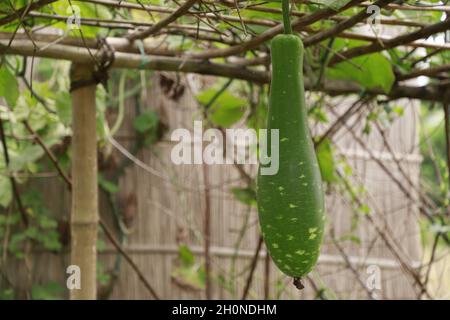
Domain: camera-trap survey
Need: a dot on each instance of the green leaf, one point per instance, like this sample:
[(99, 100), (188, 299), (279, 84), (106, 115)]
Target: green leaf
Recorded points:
[(226, 283), (47, 223), (258, 116), (15, 244), (50, 291), (7, 294), (326, 161), (29, 154), (147, 124), (64, 107), (245, 195), (103, 278), (9, 88), (186, 256), (399, 110), (352, 238), (107, 185), (226, 110), (188, 273), (50, 240), (146, 121), (370, 71), (365, 209)]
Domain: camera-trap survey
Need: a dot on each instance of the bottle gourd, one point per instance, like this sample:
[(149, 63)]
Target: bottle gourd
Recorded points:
[(290, 203)]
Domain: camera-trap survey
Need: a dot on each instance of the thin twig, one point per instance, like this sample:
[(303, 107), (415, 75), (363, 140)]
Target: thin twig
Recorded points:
[(430, 263), (391, 43), (163, 23), (130, 261), (252, 268), (269, 34), (266, 277), (15, 189), (30, 6), (105, 228), (349, 264), (428, 72), (344, 25), (49, 153)]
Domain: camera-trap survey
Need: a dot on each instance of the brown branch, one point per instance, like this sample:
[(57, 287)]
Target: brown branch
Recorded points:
[(427, 201), (33, 93), (381, 164), (133, 6), (404, 265), (269, 34), (49, 153), (128, 24), (373, 39), (130, 261), (150, 8), (20, 12), (21, 18), (349, 265), (113, 23), (320, 293), (208, 15), (391, 43), (341, 119), (266, 277), (414, 44), (163, 23), (295, 13), (15, 189), (344, 25), (105, 228), (429, 72), (252, 268), (426, 57), (430, 263), (386, 240), (401, 187)]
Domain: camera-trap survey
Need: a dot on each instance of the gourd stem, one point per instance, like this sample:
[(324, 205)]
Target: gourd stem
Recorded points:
[(286, 20)]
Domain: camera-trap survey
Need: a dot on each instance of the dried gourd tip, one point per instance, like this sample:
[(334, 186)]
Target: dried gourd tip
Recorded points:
[(298, 283)]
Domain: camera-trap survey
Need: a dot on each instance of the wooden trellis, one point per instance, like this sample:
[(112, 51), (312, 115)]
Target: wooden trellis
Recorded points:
[(226, 43), (201, 16)]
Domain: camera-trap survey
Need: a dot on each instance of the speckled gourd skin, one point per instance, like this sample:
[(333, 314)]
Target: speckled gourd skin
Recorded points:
[(290, 203)]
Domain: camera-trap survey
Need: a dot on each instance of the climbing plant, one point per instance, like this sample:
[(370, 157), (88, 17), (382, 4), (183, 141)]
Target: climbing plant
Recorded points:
[(401, 53)]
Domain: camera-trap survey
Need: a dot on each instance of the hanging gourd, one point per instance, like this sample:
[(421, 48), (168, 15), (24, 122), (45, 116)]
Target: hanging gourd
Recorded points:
[(291, 202)]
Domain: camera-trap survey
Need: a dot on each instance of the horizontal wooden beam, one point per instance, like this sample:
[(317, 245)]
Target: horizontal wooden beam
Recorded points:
[(248, 254), (185, 65)]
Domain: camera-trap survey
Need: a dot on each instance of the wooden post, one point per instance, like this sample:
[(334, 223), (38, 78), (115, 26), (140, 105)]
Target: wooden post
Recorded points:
[(84, 214)]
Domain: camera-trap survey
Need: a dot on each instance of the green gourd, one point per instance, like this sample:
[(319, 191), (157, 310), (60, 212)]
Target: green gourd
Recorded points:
[(291, 202)]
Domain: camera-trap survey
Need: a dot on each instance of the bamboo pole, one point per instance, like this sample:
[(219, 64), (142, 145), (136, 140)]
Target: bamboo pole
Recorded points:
[(84, 214)]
